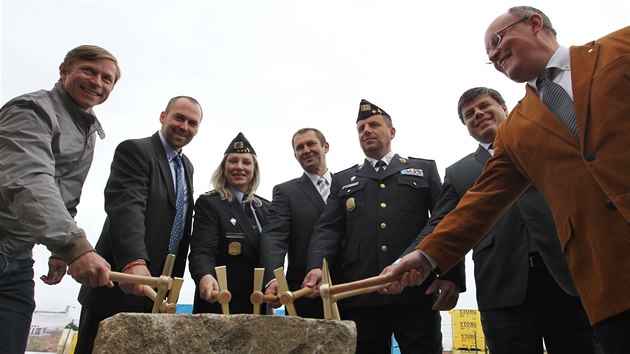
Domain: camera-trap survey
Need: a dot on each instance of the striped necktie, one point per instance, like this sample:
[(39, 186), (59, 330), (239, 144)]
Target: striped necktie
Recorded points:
[(322, 187), (557, 100)]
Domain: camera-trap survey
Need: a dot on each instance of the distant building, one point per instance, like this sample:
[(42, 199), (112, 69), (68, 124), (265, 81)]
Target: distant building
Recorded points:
[(47, 330), (45, 323)]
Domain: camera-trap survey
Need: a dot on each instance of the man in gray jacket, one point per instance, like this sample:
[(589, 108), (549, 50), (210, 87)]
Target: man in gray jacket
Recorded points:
[(47, 143)]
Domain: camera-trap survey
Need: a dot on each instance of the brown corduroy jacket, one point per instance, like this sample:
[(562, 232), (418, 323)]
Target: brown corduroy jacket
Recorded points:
[(585, 181)]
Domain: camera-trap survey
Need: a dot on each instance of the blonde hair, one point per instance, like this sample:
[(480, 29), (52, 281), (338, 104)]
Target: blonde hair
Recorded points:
[(221, 185)]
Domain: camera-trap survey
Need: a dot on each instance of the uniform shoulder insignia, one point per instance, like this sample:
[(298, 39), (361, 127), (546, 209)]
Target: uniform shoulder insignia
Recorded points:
[(212, 192), (420, 159), (349, 168)]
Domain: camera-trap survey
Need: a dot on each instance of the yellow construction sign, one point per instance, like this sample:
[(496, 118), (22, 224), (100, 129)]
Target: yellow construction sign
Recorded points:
[(467, 332)]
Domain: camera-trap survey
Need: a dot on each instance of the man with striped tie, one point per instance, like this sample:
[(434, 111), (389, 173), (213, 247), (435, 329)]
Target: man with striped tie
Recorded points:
[(583, 174), (524, 289), (295, 209)]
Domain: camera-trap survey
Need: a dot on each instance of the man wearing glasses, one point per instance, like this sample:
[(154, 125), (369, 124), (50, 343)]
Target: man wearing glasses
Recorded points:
[(497, 37), (576, 154)]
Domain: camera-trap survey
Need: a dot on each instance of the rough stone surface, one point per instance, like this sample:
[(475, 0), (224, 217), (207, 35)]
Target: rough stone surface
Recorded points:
[(210, 333)]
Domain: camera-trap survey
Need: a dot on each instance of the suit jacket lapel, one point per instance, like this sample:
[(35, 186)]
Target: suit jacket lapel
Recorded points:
[(584, 57), (367, 170), (261, 215), (188, 172), (533, 109), (482, 155), (312, 194), (165, 167), (394, 167)]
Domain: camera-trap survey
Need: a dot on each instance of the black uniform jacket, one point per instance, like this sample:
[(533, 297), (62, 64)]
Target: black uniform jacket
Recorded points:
[(223, 236), (369, 221)]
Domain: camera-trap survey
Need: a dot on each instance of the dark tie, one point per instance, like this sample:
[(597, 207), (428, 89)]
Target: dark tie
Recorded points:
[(491, 149), (322, 187), (557, 100), (380, 166), (249, 211), (178, 223)]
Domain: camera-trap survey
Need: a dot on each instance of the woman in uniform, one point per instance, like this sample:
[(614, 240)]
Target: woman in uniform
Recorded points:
[(226, 231)]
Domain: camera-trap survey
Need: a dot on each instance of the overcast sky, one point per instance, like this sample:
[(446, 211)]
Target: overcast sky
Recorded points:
[(267, 68)]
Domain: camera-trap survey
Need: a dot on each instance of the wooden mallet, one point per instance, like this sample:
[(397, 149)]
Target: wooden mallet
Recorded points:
[(257, 297), (164, 284), (330, 294), (288, 297), (223, 296)]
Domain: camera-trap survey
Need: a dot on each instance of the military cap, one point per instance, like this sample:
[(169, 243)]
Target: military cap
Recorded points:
[(240, 145), (367, 109)]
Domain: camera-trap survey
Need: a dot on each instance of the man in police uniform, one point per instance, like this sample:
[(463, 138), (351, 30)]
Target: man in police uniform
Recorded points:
[(375, 210)]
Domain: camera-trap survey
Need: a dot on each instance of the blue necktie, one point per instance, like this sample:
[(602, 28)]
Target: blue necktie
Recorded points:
[(557, 100), (178, 223)]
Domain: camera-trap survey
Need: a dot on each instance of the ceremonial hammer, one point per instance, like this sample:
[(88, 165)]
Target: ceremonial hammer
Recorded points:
[(165, 284)]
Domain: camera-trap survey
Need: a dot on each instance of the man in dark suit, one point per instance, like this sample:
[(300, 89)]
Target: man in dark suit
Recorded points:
[(295, 209), (524, 289), (374, 212), (576, 157), (141, 225)]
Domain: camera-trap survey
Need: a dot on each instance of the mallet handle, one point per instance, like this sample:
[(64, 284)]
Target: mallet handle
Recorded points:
[(258, 297), (151, 294), (359, 284), (135, 279), (356, 292)]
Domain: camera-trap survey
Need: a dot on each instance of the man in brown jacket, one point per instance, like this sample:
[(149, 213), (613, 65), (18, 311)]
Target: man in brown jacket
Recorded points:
[(584, 176)]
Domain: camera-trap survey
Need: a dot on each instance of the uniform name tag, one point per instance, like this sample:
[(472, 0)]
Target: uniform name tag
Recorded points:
[(350, 185)]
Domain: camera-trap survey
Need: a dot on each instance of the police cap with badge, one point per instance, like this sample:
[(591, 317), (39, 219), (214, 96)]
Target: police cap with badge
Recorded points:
[(240, 145), (367, 109)]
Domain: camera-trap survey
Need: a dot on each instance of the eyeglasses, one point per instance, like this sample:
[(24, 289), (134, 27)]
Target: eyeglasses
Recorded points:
[(496, 39)]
